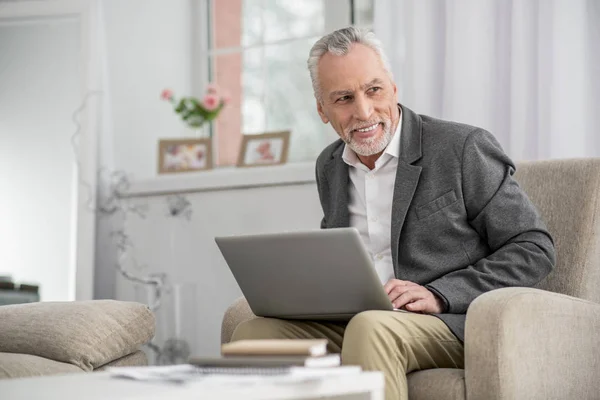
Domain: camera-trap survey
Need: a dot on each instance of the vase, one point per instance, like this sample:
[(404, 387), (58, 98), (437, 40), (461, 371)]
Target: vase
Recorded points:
[(178, 323), (202, 132), (175, 338)]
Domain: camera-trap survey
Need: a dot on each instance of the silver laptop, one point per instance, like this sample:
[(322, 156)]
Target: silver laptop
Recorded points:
[(319, 275)]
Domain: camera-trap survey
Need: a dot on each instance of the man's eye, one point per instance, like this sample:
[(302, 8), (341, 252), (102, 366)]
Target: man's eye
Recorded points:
[(375, 89), (343, 98)]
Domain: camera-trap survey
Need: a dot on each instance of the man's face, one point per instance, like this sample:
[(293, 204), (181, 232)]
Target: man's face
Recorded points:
[(358, 98)]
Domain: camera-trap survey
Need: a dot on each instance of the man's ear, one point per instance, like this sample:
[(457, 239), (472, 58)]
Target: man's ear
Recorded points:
[(322, 113)]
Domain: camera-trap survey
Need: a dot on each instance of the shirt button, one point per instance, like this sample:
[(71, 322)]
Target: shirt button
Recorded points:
[(373, 219), (379, 256)]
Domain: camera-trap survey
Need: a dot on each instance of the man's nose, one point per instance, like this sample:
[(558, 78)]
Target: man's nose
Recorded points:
[(362, 108)]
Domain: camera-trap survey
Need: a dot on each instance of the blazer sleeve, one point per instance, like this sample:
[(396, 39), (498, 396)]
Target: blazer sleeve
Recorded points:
[(320, 183), (522, 250)]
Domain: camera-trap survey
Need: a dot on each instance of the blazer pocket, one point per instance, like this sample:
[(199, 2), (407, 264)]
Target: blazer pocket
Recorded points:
[(436, 205)]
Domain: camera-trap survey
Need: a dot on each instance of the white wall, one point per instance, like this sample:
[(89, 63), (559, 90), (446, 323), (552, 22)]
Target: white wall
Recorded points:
[(148, 49), (39, 91), (187, 252), (148, 46)]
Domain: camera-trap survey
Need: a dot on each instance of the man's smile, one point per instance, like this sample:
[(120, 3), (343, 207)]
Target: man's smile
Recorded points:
[(366, 132)]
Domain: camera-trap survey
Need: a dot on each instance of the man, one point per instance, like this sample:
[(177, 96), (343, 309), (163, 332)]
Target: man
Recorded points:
[(435, 204)]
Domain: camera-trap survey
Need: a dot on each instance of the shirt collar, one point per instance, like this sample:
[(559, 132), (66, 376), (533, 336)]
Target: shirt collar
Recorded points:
[(393, 148)]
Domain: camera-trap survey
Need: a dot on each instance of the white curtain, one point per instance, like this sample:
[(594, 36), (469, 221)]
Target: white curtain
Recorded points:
[(526, 70)]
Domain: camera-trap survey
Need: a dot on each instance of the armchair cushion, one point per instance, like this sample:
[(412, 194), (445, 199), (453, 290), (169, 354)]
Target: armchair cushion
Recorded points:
[(14, 365), (87, 334), (130, 360), (567, 194), (524, 343), (439, 383)]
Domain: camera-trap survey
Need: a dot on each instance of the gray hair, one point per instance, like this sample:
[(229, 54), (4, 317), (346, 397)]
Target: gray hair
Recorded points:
[(339, 44)]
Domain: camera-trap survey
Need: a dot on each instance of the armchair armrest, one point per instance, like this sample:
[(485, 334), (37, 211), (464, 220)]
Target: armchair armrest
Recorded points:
[(523, 343)]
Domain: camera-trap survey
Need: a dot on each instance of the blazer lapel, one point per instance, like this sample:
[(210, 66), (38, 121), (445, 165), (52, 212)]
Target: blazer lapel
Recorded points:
[(407, 177), (339, 180)]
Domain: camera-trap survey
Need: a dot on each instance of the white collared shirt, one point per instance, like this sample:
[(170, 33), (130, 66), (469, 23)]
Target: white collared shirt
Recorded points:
[(370, 203)]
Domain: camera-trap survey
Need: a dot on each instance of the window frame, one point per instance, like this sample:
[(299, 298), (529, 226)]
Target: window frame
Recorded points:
[(230, 177), (338, 14)]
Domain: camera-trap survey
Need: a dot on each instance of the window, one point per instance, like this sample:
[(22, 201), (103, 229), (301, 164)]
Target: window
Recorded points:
[(257, 51)]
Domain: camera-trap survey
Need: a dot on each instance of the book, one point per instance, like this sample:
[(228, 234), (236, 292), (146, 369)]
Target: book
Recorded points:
[(329, 360), (264, 347)]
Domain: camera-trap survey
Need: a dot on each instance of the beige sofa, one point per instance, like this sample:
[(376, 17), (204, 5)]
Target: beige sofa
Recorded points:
[(62, 337), (525, 343)]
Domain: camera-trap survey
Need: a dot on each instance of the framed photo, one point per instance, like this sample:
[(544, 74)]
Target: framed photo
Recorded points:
[(184, 155), (264, 149)]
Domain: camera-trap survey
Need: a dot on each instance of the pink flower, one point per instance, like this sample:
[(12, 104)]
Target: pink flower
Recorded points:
[(210, 102), (166, 94), (212, 88)]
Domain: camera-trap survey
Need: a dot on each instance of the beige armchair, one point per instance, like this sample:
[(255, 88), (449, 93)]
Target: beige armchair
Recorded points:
[(525, 343)]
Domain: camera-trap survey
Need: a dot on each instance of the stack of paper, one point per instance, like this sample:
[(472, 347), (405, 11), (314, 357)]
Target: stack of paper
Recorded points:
[(188, 373)]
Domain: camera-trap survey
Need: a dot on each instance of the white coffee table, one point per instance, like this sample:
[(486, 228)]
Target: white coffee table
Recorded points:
[(100, 385)]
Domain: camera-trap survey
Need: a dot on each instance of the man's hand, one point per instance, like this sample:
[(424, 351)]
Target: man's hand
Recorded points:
[(413, 297)]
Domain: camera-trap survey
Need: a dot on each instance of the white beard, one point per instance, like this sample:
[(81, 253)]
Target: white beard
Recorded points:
[(372, 145)]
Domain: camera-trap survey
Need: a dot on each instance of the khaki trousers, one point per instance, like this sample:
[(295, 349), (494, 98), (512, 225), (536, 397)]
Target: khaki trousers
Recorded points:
[(395, 343)]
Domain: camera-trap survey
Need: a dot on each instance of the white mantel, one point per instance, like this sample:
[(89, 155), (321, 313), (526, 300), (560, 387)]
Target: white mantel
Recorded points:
[(225, 178)]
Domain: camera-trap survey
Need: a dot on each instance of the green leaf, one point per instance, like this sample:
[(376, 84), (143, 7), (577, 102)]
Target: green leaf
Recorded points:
[(180, 107)]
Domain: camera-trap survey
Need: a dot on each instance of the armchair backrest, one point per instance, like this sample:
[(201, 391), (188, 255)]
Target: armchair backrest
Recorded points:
[(567, 194)]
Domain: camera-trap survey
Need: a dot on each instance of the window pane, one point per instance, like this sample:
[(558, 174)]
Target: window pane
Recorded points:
[(251, 22), (250, 89), (262, 63), (287, 19), (363, 13), (275, 94), (241, 74), (253, 92), (289, 100)]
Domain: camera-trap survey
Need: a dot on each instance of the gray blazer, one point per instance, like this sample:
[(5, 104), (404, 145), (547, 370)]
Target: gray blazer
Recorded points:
[(461, 225)]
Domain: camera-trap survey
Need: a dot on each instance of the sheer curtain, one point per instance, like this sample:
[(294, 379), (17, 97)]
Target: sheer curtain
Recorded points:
[(528, 71)]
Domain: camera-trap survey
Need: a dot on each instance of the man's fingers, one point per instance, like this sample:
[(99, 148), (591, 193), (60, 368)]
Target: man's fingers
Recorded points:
[(399, 291), (418, 306), (414, 298), (393, 283), (407, 297), (389, 285), (396, 292)]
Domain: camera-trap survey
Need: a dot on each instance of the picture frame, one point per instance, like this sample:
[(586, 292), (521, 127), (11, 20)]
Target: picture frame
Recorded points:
[(264, 149), (184, 155)]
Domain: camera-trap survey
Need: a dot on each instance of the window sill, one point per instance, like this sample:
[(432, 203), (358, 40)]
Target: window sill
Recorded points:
[(224, 178)]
